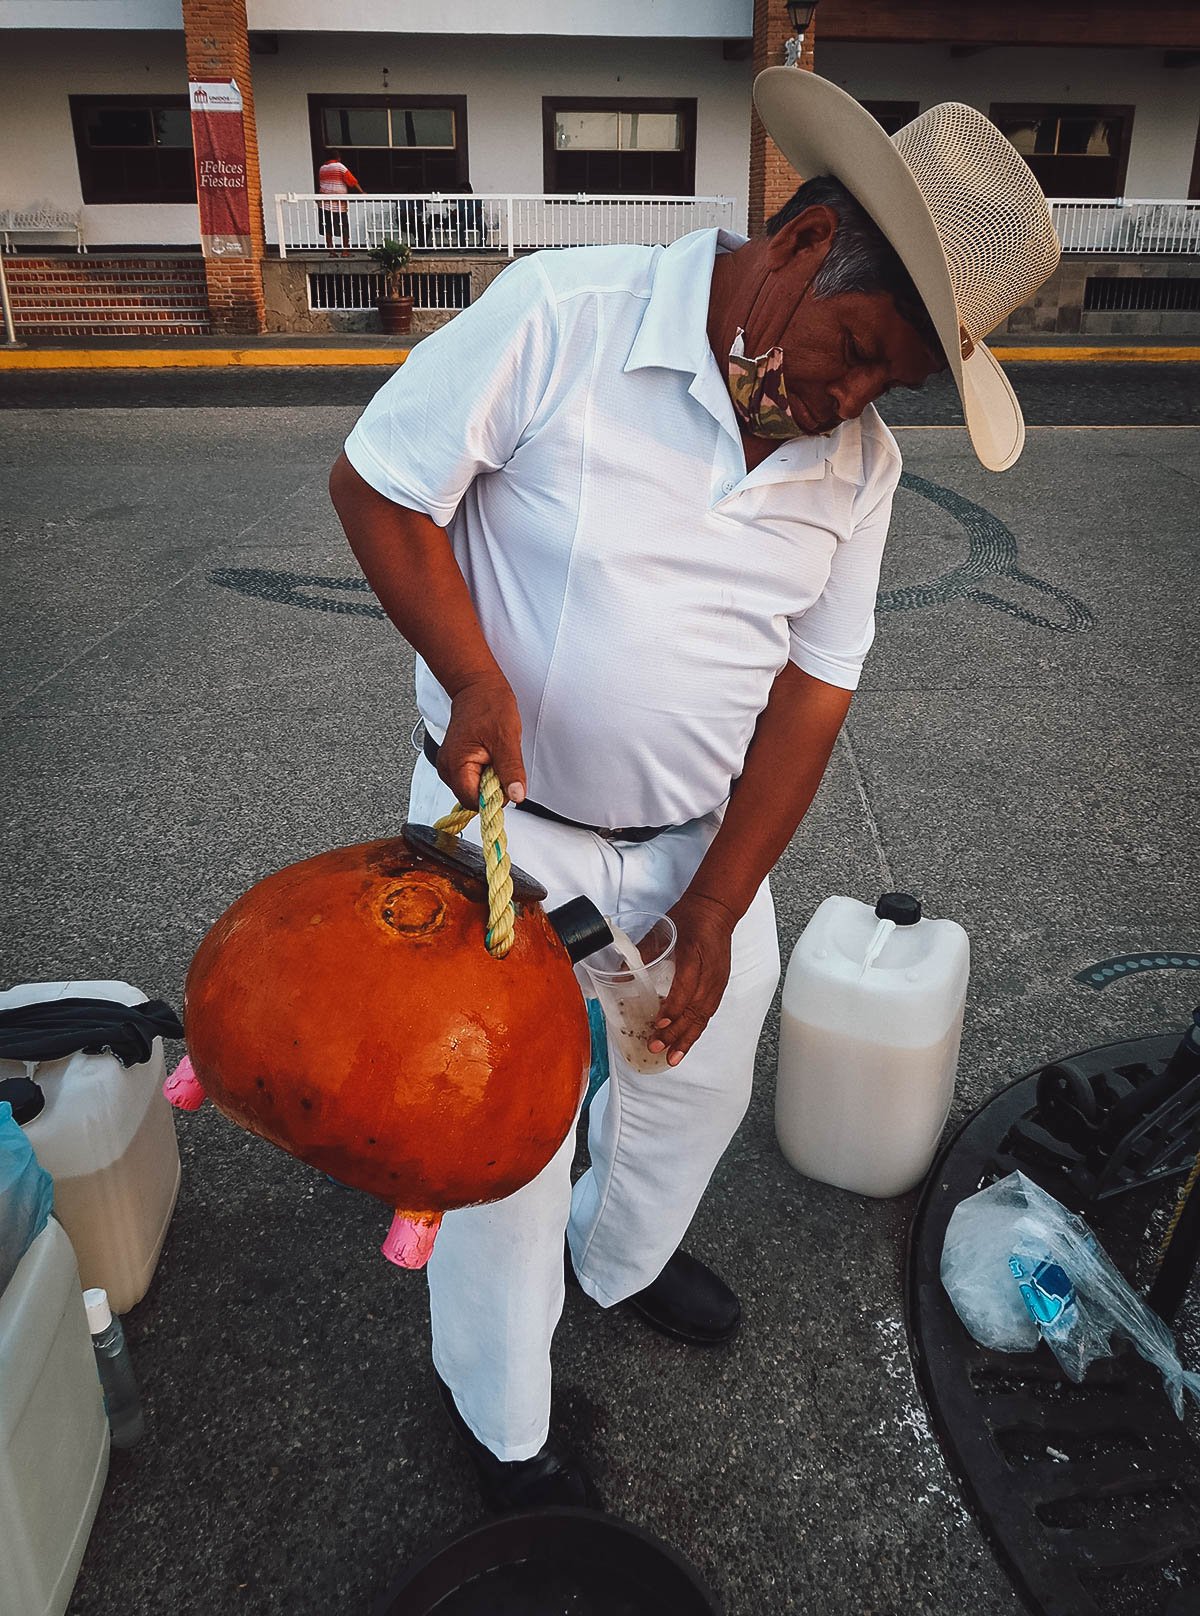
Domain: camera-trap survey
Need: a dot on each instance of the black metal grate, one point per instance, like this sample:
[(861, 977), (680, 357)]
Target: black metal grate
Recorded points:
[(1113, 293), (348, 290), (1090, 1493)]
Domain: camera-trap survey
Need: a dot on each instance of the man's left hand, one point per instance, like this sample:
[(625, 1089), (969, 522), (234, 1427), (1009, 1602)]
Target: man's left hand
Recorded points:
[(704, 928)]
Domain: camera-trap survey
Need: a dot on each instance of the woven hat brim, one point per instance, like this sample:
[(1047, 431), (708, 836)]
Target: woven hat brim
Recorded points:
[(822, 130), (993, 415)]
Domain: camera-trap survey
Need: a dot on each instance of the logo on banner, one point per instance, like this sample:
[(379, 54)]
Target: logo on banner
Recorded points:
[(216, 96), (222, 194)]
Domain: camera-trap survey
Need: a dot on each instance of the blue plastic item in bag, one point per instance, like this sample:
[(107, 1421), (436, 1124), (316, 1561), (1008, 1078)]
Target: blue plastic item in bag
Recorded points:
[(26, 1195), (1019, 1267)]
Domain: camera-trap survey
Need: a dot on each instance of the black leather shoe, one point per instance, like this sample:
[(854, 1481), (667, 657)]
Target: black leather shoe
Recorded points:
[(552, 1477), (690, 1303)]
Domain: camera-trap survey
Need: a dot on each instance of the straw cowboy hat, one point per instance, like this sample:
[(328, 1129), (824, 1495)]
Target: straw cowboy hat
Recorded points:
[(959, 205)]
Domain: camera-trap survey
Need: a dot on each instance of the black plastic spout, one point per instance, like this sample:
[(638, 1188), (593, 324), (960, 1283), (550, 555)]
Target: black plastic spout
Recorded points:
[(581, 928)]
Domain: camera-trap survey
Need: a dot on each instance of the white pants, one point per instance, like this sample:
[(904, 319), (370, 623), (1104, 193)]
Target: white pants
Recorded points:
[(496, 1275)]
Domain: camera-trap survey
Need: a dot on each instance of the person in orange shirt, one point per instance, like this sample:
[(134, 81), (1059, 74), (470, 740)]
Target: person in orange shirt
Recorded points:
[(334, 180)]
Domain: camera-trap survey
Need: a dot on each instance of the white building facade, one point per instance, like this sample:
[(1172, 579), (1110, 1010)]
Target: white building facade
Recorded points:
[(633, 97)]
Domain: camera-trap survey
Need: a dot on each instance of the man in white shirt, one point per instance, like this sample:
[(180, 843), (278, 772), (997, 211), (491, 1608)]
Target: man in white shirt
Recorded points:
[(630, 508)]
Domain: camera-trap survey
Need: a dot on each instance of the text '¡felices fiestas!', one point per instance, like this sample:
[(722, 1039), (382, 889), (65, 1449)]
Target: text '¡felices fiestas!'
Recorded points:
[(217, 174)]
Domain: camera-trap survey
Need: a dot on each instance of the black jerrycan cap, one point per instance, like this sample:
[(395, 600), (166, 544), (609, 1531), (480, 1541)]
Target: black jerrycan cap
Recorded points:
[(581, 928), (25, 1097), (900, 907)]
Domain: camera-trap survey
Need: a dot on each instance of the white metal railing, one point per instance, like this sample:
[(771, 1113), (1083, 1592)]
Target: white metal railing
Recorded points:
[(501, 222), (1126, 225)]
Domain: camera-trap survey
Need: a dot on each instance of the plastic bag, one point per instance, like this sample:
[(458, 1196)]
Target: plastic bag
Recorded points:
[(1018, 1266), (26, 1195)]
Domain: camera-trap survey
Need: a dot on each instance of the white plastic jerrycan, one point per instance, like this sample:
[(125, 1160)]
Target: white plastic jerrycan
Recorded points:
[(868, 1049), (106, 1135), (54, 1436)]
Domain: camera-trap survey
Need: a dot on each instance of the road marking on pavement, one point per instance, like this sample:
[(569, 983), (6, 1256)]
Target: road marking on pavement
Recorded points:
[(991, 553), (1111, 970)]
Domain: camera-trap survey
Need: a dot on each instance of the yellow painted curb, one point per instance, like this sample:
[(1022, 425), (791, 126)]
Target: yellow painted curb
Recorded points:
[(278, 358), (192, 358), (1114, 356)]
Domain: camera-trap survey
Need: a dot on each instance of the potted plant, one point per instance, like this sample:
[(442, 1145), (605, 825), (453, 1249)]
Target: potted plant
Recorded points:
[(395, 310)]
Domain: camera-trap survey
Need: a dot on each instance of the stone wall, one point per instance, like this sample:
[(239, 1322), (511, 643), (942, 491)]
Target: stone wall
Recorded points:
[(1058, 306), (285, 285)]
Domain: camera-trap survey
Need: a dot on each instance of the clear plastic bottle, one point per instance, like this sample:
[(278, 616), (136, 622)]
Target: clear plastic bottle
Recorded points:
[(122, 1400)]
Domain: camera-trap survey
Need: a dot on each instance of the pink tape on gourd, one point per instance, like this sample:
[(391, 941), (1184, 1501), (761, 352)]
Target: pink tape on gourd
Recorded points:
[(410, 1239), (409, 1242), (183, 1088)]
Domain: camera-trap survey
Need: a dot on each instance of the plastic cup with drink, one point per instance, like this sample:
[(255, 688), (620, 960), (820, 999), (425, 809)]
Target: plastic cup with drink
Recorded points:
[(631, 978)]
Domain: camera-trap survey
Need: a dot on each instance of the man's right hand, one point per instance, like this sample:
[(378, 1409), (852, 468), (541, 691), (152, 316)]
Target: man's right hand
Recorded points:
[(485, 727)]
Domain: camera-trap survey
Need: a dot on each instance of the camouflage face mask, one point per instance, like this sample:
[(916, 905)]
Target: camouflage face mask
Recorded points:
[(759, 392)]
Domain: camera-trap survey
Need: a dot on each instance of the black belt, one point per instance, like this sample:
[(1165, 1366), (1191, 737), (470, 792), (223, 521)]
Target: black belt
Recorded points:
[(621, 833)]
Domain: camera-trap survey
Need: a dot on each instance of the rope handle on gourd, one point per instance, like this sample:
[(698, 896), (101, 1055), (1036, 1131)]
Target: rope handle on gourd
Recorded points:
[(501, 914)]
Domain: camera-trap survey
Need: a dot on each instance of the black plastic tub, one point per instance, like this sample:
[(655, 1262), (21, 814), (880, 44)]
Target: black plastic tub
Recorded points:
[(551, 1562)]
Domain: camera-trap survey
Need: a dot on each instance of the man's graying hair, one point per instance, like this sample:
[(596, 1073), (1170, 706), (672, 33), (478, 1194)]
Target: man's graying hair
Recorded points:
[(860, 258)]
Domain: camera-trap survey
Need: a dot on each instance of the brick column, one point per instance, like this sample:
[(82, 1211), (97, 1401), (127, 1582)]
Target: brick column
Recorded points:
[(218, 47), (772, 179)]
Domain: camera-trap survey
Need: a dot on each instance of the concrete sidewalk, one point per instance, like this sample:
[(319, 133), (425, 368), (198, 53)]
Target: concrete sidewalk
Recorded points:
[(199, 689)]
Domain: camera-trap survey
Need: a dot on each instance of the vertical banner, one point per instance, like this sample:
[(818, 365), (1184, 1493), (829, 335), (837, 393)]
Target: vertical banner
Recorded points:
[(219, 139)]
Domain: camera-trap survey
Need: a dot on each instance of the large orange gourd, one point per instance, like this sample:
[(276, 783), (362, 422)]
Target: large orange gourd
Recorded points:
[(346, 1009)]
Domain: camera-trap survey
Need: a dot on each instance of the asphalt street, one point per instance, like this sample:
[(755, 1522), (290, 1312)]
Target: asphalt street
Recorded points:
[(1052, 394), (199, 689)]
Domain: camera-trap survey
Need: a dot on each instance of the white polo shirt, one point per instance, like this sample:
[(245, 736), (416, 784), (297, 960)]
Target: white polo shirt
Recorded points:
[(574, 434)]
